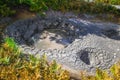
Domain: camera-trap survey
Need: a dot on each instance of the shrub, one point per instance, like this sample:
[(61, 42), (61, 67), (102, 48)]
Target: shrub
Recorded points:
[(6, 11), (91, 7), (103, 75), (7, 6), (15, 65), (115, 2)]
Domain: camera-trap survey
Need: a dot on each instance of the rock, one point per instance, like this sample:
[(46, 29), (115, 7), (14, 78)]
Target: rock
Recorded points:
[(112, 33), (30, 31), (5, 20)]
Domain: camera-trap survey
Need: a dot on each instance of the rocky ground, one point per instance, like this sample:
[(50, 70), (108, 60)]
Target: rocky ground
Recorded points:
[(74, 42)]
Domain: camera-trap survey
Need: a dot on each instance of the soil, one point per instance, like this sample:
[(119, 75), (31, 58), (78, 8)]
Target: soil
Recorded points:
[(23, 14)]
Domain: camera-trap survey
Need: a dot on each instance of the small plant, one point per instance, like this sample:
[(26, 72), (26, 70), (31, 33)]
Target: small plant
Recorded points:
[(9, 42)]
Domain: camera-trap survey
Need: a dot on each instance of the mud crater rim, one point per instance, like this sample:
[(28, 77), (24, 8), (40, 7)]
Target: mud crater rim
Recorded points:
[(43, 33)]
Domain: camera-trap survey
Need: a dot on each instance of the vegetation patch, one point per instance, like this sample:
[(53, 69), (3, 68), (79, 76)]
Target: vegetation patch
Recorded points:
[(114, 2), (103, 75), (18, 66), (8, 7)]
